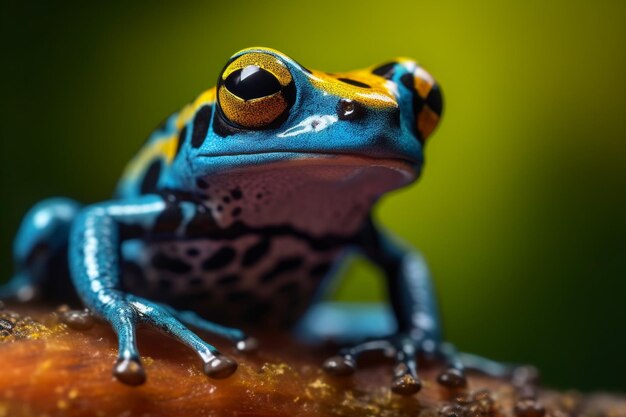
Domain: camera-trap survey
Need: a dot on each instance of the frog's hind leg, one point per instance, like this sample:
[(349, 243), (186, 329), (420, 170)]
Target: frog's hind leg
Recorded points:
[(346, 322), (40, 249)]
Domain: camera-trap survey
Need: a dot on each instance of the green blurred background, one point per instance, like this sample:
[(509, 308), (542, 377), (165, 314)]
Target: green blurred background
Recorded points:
[(521, 211)]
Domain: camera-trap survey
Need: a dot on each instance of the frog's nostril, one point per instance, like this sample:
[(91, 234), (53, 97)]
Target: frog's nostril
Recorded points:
[(349, 109)]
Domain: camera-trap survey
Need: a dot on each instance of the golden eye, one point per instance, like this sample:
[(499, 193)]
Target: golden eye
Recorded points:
[(255, 90)]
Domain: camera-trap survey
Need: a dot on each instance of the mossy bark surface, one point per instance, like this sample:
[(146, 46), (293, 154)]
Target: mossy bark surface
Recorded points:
[(48, 368)]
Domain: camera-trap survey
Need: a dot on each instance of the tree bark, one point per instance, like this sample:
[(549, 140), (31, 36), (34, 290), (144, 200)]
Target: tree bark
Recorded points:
[(49, 368)]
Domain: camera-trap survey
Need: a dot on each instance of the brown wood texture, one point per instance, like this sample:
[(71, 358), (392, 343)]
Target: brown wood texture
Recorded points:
[(49, 369)]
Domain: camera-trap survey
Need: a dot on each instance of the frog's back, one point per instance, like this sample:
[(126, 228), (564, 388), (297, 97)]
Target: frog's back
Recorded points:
[(144, 172)]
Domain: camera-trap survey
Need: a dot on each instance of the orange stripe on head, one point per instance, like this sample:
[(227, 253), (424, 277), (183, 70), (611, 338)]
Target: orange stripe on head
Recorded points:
[(423, 82), (361, 86)]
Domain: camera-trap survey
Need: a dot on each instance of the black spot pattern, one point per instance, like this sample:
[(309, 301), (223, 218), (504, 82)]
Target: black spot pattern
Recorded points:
[(386, 70), (320, 269), (236, 193), (196, 282), (181, 139), (290, 293), (236, 211), (166, 263), (418, 103), (193, 252), (202, 224), (256, 252), (407, 81), (165, 284), (170, 219), (435, 100), (200, 125), (283, 266), (354, 82), (201, 183), (151, 177), (227, 280), (220, 259), (238, 296)]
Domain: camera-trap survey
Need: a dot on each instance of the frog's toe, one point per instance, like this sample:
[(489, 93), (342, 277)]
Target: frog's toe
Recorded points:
[(405, 379), (247, 345), (452, 378), (125, 311), (345, 363), (405, 349), (406, 384), (243, 343), (340, 365), (129, 371), (220, 367)]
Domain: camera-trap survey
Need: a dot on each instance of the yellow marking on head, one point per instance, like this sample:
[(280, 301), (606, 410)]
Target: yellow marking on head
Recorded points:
[(164, 148), (207, 97), (187, 112), (378, 95)]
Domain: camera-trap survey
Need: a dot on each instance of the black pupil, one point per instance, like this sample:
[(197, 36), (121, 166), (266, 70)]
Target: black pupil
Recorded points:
[(252, 82)]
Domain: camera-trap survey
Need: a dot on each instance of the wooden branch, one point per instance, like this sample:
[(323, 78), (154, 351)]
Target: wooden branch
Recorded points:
[(48, 368)]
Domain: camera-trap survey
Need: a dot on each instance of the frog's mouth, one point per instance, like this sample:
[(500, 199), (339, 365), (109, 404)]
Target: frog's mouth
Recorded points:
[(226, 162), (317, 170)]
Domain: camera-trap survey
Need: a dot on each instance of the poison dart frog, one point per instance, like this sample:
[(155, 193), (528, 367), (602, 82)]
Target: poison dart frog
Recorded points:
[(240, 209)]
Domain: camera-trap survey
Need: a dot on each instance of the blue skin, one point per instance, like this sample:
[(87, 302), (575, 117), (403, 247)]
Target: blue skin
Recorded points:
[(94, 236)]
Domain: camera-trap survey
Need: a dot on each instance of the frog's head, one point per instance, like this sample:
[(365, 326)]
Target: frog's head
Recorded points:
[(269, 109)]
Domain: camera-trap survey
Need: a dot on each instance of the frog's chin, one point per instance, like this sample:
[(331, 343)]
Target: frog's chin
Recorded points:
[(314, 192)]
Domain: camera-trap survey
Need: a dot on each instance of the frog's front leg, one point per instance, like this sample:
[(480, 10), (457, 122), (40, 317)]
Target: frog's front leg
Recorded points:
[(95, 239), (414, 305)]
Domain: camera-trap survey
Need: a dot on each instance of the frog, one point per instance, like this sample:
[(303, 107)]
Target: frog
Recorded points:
[(239, 211)]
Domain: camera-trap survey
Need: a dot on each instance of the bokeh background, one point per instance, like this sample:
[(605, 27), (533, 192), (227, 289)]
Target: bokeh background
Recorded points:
[(521, 211)]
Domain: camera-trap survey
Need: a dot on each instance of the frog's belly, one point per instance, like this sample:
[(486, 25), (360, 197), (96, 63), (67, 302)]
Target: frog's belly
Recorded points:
[(253, 280)]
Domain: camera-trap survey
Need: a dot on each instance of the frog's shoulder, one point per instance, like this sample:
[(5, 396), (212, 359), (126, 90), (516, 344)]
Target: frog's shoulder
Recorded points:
[(146, 170)]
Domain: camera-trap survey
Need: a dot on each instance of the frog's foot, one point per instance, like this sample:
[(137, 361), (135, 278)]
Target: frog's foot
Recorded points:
[(125, 312), (405, 349), (402, 347)]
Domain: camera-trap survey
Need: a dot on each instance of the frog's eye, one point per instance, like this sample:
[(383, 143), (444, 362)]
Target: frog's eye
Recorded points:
[(255, 91)]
